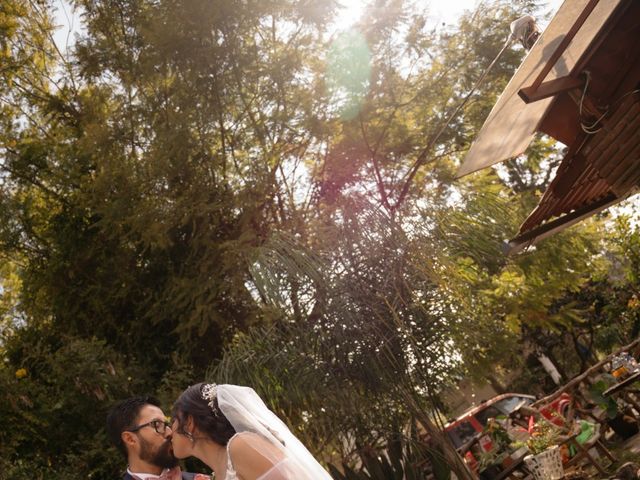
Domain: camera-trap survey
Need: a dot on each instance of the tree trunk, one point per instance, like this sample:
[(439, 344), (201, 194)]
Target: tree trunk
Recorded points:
[(496, 384)]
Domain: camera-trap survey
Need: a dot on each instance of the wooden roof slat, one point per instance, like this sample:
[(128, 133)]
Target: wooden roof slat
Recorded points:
[(607, 137), (623, 144), (601, 188), (623, 174), (573, 200)]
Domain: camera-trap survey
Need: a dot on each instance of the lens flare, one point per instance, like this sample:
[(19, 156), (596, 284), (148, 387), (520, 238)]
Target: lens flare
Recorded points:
[(348, 73)]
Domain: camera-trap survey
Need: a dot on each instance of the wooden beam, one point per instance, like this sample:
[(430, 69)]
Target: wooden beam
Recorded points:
[(550, 88), (564, 43)]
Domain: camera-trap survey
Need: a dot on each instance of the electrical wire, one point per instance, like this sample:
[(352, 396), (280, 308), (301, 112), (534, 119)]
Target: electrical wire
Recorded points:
[(591, 129), (466, 98)]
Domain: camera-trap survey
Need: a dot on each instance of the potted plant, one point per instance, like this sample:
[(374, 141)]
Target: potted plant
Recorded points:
[(492, 462), (545, 461)]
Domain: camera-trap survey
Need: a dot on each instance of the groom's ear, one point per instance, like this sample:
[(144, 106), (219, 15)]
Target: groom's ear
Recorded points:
[(129, 439)]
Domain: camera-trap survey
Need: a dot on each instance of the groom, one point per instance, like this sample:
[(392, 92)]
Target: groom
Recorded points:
[(139, 428)]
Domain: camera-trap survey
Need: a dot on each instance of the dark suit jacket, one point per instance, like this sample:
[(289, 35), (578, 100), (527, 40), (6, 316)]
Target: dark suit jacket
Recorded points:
[(185, 476)]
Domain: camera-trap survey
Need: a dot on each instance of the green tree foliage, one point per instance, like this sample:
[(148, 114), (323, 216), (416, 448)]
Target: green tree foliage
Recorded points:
[(56, 392)]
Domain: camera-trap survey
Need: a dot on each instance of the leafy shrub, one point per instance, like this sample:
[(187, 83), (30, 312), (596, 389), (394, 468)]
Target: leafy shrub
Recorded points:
[(54, 396)]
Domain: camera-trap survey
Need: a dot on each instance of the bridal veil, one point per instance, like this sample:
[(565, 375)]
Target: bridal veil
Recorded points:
[(246, 412)]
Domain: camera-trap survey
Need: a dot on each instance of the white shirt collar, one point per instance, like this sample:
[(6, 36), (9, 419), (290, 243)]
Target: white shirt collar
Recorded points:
[(144, 476)]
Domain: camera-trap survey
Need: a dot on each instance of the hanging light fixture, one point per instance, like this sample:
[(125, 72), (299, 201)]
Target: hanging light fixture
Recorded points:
[(525, 31)]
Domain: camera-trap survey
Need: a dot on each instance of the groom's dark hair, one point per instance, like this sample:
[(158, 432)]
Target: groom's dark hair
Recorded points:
[(123, 417)]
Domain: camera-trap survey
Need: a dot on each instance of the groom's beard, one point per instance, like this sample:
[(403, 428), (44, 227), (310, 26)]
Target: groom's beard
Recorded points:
[(161, 457)]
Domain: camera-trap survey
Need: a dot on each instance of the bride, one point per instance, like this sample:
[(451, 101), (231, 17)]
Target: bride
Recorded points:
[(231, 430)]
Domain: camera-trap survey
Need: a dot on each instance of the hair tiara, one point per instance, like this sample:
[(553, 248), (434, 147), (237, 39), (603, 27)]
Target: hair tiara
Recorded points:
[(210, 394)]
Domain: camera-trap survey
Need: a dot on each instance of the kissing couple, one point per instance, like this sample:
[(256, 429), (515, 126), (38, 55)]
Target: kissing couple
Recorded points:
[(228, 427)]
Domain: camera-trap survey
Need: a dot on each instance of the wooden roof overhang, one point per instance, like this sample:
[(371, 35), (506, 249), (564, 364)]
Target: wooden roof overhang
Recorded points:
[(592, 106)]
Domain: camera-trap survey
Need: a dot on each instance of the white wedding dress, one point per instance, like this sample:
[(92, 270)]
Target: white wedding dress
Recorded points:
[(283, 468)]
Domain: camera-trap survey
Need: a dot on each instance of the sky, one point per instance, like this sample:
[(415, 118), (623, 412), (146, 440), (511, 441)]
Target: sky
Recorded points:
[(68, 23)]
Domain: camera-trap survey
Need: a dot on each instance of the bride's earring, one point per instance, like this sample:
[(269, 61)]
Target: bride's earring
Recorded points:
[(190, 436)]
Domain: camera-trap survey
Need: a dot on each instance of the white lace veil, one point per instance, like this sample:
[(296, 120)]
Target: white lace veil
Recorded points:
[(246, 412)]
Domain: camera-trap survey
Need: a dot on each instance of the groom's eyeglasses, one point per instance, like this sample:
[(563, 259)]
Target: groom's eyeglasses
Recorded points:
[(159, 426)]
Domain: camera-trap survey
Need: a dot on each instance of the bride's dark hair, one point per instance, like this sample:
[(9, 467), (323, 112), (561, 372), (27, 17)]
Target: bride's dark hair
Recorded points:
[(209, 421)]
